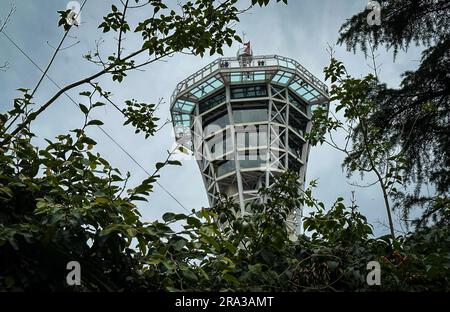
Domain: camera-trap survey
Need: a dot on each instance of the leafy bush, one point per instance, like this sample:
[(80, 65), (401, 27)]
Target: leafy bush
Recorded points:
[(65, 202)]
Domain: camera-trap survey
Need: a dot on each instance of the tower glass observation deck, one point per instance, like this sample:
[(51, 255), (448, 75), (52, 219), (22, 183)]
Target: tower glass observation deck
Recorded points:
[(244, 118)]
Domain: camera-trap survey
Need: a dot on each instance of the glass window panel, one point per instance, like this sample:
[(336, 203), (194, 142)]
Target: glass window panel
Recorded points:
[(247, 76), (278, 92), (236, 77), (315, 92), (250, 115), (302, 91), (226, 167), (252, 163), (216, 124), (211, 102), (308, 96), (184, 106), (291, 65), (284, 79), (276, 77), (297, 121), (220, 144), (251, 136), (248, 92), (260, 76), (308, 87), (197, 92), (207, 87), (297, 102), (228, 143), (295, 86), (216, 84), (181, 117), (294, 165), (295, 145)]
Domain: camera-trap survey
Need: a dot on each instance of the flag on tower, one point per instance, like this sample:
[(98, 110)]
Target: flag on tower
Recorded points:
[(247, 48)]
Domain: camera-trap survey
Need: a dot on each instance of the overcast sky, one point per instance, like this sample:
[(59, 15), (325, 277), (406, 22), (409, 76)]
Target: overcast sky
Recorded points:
[(301, 30)]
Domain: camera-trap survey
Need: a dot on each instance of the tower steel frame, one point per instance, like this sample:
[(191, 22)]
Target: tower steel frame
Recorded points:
[(219, 111)]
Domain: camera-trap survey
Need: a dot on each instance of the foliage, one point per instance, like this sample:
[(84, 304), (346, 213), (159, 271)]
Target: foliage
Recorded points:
[(65, 202), (364, 148), (79, 209), (141, 116), (413, 117)]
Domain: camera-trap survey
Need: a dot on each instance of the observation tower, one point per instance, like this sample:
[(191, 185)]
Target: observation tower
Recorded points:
[(244, 119)]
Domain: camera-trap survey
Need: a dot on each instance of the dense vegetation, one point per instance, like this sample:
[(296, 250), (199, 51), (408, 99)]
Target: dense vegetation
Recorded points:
[(65, 202)]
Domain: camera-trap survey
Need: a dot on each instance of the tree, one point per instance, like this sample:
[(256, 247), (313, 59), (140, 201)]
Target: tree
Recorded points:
[(65, 202), (365, 149), (414, 117)]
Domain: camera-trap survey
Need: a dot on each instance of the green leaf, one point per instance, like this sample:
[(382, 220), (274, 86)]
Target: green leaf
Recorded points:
[(189, 275), (110, 229), (168, 216), (84, 109), (95, 122), (179, 244), (159, 165), (231, 279), (85, 93), (98, 104)]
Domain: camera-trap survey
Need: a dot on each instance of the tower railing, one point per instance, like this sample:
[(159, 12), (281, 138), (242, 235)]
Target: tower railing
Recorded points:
[(233, 62)]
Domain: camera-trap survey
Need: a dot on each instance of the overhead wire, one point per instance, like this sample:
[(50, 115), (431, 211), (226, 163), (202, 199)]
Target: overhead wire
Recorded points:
[(45, 74)]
